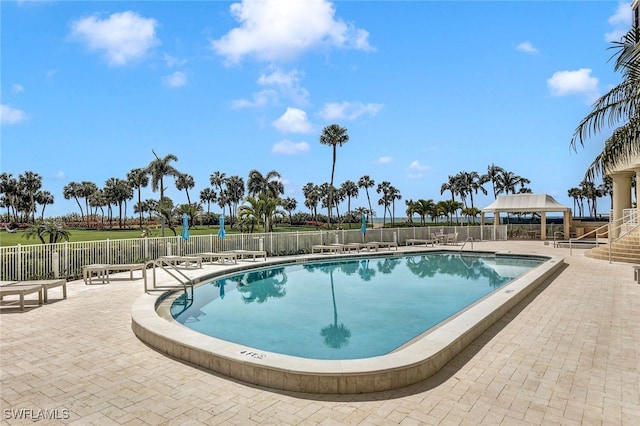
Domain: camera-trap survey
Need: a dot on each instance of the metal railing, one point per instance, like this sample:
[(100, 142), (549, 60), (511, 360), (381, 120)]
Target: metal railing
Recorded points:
[(40, 261)]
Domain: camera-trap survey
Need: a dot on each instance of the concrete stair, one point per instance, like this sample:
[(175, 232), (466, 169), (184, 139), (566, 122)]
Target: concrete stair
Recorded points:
[(626, 249)]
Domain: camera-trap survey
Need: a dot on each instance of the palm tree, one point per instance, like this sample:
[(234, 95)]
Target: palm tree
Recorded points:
[(118, 191), (9, 187), (334, 136), (44, 198), (349, 189), (138, 179), (470, 182), (366, 182), (185, 181), (507, 182), (217, 179), (575, 194), (312, 197), (74, 190), (234, 194), (289, 204), (492, 174), (620, 105), (30, 183), (385, 200), (55, 230), (208, 195), (98, 200), (158, 169), (269, 184)]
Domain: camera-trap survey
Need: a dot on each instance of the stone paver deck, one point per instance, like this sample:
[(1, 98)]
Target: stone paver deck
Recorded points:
[(570, 354)]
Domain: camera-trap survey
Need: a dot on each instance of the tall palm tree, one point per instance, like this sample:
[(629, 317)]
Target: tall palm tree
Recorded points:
[(208, 195), (289, 204), (185, 181), (312, 197), (366, 182), (30, 183), (620, 105), (470, 182), (158, 169), (493, 172), (234, 194), (385, 200), (334, 136), (9, 187), (44, 198), (269, 184), (217, 179), (74, 190), (118, 191), (138, 179), (349, 189)]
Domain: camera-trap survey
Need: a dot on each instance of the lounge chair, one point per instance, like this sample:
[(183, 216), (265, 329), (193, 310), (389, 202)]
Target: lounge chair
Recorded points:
[(186, 261), (420, 241), (21, 291), (46, 285), (327, 248), (387, 244), (221, 257), (102, 270), (250, 253), (9, 230)]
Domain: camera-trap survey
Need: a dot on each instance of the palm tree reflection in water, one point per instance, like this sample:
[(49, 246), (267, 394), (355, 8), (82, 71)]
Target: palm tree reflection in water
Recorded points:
[(335, 335), (259, 286)]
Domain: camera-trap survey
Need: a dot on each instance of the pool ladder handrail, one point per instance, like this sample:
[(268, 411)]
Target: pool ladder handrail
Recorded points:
[(168, 268), (469, 239)]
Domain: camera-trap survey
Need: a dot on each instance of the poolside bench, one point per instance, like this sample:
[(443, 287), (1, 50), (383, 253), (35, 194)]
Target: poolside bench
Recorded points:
[(102, 270), (46, 286), (187, 261), (324, 248), (387, 244), (242, 254), (21, 291), (420, 241), (221, 257)]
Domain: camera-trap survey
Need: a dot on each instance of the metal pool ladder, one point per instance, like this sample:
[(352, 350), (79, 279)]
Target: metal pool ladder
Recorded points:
[(469, 239), (175, 273)]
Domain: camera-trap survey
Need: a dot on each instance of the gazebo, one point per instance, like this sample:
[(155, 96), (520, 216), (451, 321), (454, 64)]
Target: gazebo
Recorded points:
[(528, 203)]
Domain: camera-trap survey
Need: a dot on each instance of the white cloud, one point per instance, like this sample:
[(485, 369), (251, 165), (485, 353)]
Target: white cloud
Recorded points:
[(122, 37), (172, 61), (385, 160), (620, 21), (290, 148), (287, 84), (348, 110), (294, 120), (276, 30), (580, 82), (17, 88), (415, 165), (260, 99), (176, 79), (60, 175), (10, 115), (527, 47)]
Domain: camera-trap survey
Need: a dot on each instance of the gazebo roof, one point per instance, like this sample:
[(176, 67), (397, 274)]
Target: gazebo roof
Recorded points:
[(520, 203)]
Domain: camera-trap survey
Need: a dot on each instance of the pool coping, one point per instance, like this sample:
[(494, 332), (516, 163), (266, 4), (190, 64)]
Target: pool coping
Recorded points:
[(412, 363)]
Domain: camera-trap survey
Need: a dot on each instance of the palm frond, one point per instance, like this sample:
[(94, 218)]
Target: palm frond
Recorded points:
[(621, 147)]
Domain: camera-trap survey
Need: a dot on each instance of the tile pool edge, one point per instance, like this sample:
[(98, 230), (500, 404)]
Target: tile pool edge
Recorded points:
[(408, 365)]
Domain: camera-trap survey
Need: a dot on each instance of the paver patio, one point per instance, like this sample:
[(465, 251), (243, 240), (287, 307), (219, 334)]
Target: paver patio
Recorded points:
[(569, 354)]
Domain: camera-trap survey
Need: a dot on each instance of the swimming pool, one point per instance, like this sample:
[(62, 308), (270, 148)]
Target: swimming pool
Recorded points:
[(411, 363), (343, 308)]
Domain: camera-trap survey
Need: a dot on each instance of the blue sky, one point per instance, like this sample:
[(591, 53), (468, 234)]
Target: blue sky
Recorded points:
[(426, 89)]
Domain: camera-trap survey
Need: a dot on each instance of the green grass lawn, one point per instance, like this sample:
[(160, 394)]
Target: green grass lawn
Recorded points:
[(13, 239)]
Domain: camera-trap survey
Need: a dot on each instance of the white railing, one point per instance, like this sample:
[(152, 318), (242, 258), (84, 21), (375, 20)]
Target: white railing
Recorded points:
[(630, 216), (38, 261)]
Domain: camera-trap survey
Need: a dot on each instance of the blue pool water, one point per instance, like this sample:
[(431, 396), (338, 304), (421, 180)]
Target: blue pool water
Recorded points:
[(343, 309)]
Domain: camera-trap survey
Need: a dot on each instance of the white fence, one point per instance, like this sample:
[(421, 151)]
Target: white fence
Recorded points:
[(38, 261)]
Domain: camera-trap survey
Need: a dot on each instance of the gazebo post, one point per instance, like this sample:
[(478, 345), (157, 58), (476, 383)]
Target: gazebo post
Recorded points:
[(543, 225)]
